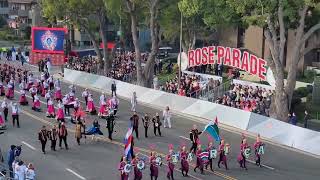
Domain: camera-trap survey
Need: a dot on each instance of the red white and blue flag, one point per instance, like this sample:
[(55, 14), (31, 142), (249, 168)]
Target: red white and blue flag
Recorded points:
[(128, 143)]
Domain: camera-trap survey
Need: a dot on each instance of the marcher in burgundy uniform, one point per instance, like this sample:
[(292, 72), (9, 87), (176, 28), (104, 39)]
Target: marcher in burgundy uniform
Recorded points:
[(222, 155), (146, 122), (194, 137), (53, 136), (257, 145), (184, 161), (156, 124), (63, 133), (154, 171), (209, 148), (199, 160), (170, 168), (122, 164), (43, 137), (135, 124), (241, 157), (137, 171)]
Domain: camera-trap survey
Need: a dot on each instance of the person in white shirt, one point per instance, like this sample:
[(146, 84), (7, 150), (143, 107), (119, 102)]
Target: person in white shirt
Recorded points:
[(4, 106), (20, 170), (134, 102), (85, 95), (166, 117), (29, 173), (15, 114)]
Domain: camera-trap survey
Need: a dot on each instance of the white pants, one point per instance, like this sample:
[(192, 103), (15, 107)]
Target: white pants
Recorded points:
[(133, 106), (167, 121)]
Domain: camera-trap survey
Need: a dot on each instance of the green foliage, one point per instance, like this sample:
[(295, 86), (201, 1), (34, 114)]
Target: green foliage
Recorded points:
[(3, 21), (301, 92)]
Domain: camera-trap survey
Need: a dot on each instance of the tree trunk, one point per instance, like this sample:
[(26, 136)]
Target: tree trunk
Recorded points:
[(94, 42), (135, 39), (102, 25)]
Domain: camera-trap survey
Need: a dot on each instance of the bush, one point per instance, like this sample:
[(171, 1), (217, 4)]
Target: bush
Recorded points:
[(295, 101), (310, 74), (301, 92), (309, 98)]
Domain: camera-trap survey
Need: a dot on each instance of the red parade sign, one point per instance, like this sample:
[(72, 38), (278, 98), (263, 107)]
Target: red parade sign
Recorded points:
[(230, 57)]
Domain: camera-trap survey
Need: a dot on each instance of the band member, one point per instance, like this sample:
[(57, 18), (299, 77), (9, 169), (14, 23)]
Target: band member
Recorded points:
[(90, 105), (58, 94), (36, 103), (110, 126), (78, 131), (76, 105), (137, 171), (30, 80), (23, 99), (5, 108), (257, 145), (156, 124), (33, 91), (209, 148), (51, 82), (114, 104), (184, 161), (48, 96), (63, 133), (53, 136), (2, 91), (199, 160), (103, 106), (170, 168), (60, 113), (194, 137), (10, 91), (241, 156), (45, 87), (135, 124), (122, 164), (43, 137), (222, 155), (154, 171), (15, 110), (146, 122), (85, 95), (50, 109), (134, 101)]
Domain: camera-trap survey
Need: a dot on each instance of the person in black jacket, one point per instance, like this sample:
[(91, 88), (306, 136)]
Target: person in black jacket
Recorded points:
[(146, 122), (43, 137), (156, 124), (113, 88), (194, 137)]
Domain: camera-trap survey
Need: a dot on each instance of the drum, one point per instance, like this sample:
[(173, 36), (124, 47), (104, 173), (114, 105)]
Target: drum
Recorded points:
[(261, 149), (158, 161), (213, 154), (175, 157), (247, 152), (141, 165), (127, 168)]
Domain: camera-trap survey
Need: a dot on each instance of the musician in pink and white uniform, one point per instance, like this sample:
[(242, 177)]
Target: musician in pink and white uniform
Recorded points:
[(50, 81), (90, 106), (103, 106), (23, 99), (36, 103), (58, 94), (45, 88), (85, 95), (48, 96), (10, 90), (60, 113), (33, 91), (114, 103), (2, 91), (50, 109)]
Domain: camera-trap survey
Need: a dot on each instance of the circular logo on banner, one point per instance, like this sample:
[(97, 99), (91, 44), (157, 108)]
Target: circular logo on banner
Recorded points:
[(184, 62), (49, 40)]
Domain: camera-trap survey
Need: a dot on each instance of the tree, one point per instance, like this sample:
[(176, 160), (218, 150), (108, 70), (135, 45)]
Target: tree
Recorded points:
[(277, 17)]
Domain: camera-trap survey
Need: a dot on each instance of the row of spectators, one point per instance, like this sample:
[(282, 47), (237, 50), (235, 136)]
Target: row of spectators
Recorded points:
[(248, 98)]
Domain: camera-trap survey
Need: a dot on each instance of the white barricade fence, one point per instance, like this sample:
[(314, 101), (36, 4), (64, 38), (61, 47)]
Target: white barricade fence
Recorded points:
[(248, 83), (275, 130)]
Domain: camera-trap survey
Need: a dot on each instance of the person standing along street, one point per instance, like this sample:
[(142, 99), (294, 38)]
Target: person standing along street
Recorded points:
[(306, 118), (166, 117), (146, 122), (113, 89), (10, 159), (293, 119), (134, 102), (63, 133), (135, 123), (53, 136), (194, 137), (85, 95), (48, 64), (78, 131), (30, 174), (15, 110), (4, 106), (156, 124), (43, 137)]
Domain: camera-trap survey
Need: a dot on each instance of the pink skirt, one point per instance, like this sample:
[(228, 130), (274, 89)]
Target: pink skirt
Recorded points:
[(51, 109), (44, 91), (102, 109), (1, 121), (36, 104), (60, 114), (90, 106), (58, 94), (23, 99), (10, 93)]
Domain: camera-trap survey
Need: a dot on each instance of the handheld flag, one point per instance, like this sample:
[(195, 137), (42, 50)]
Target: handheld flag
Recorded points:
[(213, 130), (128, 143)]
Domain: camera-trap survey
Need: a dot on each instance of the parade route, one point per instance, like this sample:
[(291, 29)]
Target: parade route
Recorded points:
[(96, 160)]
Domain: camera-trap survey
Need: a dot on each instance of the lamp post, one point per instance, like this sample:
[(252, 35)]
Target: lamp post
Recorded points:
[(180, 50)]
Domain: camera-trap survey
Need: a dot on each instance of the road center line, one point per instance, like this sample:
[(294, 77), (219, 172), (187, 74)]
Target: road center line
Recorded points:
[(184, 137), (268, 167), (31, 147), (76, 174)]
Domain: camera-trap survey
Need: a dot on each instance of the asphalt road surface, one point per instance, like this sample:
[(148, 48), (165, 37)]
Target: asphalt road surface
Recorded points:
[(97, 160)]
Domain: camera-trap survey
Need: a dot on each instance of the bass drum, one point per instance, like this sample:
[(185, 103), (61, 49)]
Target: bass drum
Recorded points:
[(140, 165), (127, 168)]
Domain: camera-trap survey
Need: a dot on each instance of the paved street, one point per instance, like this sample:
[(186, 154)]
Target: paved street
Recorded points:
[(99, 160)]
